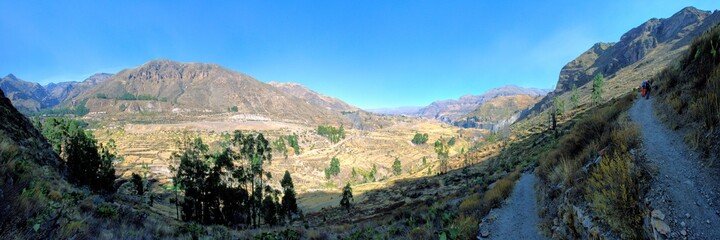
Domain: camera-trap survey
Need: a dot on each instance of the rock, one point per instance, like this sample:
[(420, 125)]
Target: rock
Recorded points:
[(682, 224), (660, 226), (707, 221), (657, 214), (484, 233), (683, 232), (687, 215)]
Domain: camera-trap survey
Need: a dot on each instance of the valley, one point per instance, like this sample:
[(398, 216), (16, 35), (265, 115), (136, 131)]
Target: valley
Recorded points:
[(171, 149)]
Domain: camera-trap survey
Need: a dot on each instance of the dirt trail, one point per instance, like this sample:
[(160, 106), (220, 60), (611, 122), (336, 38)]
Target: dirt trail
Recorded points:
[(517, 218), (684, 190)]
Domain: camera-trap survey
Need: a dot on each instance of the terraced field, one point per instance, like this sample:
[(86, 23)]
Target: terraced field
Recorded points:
[(147, 148)]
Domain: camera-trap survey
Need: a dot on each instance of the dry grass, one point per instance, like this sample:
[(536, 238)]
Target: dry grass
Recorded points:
[(570, 174), (615, 195), (691, 89), (503, 187)]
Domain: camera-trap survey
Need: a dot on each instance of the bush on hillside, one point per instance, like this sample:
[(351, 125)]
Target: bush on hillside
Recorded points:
[(420, 138)]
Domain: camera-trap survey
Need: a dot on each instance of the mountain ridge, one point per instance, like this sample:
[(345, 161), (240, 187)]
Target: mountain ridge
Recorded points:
[(450, 109), (640, 52)]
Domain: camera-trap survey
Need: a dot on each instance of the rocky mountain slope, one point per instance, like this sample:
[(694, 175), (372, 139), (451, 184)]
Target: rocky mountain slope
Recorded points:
[(25, 96), (68, 90), (450, 110), (33, 97), (27, 163), (313, 98), (641, 52), (169, 86)]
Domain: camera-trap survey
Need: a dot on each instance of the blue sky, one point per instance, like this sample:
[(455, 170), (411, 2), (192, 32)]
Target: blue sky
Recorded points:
[(371, 54)]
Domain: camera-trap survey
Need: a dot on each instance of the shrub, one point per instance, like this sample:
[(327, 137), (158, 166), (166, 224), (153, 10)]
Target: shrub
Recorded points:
[(467, 226), (334, 168), (420, 233), (106, 210), (397, 168), (471, 205), (614, 195), (420, 138), (502, 190)]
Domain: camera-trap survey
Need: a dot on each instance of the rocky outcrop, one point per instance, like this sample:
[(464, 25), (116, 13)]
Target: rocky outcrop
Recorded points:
[(648, 42), (25, 96), (608, 58)]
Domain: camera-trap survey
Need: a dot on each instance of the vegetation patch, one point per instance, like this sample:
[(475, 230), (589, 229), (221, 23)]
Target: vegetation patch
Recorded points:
[(592, 163), (689, 93)]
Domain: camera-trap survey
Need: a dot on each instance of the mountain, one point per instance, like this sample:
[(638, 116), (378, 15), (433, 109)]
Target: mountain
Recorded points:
[(169, 86), (313, 98), (641, 52), (497, 112), (67, 90), (396, 111), (25, 96), (32, 97), (450, 110)]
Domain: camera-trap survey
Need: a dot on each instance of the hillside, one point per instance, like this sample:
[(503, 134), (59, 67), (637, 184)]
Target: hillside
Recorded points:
[(451, 110), (641, 53), (313, 98), (174, 87)]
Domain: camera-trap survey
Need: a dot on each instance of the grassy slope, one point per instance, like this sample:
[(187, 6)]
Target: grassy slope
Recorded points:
[(689, 93)]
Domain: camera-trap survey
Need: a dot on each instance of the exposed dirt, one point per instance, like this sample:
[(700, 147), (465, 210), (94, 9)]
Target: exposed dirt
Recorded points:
[(684, 189), (518, 217)]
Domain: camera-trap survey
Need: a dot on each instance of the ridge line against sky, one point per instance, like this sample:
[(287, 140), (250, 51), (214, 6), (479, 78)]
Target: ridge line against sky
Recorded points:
[(371, 54)]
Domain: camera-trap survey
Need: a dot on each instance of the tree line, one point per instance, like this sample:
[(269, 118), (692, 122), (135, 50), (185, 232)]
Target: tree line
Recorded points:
[(87, 162), (230, 186), (332, 133)]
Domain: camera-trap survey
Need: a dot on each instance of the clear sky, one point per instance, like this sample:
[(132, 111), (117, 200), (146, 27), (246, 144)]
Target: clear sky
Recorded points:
[(369, 53)]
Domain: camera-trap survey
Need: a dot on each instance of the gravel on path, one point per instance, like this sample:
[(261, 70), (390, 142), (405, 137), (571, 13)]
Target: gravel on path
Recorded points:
[(518, 217), (684, 190)]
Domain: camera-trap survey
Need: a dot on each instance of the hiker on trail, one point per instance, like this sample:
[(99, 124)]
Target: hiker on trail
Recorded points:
[(646, 85)]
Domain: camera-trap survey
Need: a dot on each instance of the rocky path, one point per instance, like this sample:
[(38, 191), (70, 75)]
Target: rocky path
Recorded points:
[(518, 217), (684, 193)]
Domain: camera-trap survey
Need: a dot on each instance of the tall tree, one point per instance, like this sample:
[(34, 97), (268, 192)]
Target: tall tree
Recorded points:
[(597, 88), (347, 197), (397, 168), (574, 97), (442, 151), (289, 202)]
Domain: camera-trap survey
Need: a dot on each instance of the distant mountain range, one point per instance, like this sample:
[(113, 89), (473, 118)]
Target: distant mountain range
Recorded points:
[(407, 111), (312, 97), (451, 109), (33, 97)]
